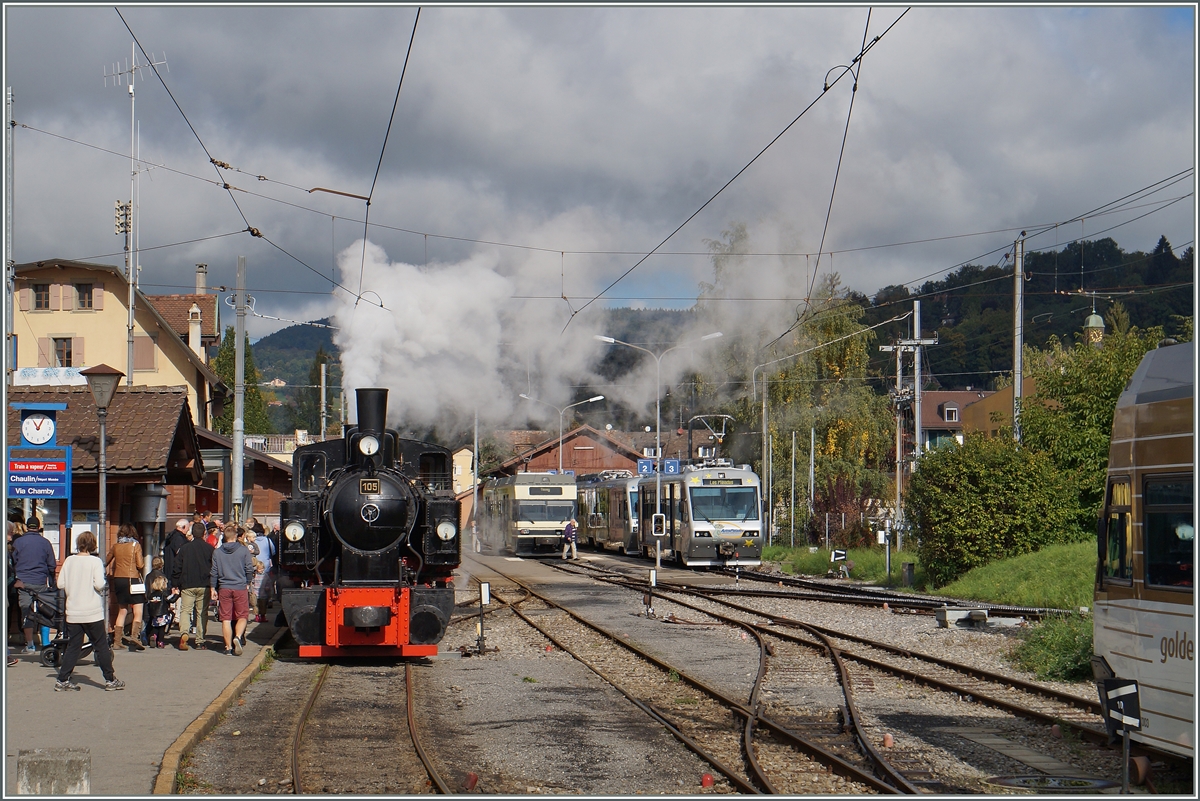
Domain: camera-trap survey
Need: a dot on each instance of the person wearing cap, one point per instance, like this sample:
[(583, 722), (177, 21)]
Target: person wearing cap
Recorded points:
[(34, 566)]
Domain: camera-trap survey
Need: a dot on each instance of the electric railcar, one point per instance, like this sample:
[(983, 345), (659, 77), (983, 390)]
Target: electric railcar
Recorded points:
[(1145, 622), (608, 511), (527, 512), (712, 515), (370, 542)]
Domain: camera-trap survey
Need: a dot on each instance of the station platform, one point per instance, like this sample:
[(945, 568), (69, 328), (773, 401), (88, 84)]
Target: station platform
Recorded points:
[(128, 732)]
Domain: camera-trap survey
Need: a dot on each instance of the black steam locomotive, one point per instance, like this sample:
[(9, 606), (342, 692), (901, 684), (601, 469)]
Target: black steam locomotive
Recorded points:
[(370, 540)]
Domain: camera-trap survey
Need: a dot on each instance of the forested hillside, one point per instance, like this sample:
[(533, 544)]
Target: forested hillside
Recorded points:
[(971, 309)]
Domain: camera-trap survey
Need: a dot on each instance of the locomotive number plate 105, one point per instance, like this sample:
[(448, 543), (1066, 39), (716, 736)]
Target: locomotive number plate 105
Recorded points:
[(368, 486)]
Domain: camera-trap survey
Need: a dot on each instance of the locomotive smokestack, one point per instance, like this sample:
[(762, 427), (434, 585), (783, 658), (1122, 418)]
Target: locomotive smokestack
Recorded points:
[(372, 411)]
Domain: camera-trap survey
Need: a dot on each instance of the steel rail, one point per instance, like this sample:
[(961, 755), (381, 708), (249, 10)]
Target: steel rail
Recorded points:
[(752, 718), (881, 763), (1067, 699), (830, 759), (872, 595), (1087, 732), (297, 788), (729, 773), (434, 775)]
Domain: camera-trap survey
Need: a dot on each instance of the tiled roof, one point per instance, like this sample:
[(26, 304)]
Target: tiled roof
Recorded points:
[(175, 309), (933, 402), (149, 429)]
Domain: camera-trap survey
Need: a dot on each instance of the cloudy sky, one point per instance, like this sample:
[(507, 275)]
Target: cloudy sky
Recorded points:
[(542, 152)]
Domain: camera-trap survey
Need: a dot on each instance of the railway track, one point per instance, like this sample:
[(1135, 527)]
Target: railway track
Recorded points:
[(1013, 695), (756, 752), (345, 703)]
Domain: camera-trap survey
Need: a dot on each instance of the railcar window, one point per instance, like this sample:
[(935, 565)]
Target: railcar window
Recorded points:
[(1118, 550), (545, 511), (312, 472), (725, 503), (1169, 532)]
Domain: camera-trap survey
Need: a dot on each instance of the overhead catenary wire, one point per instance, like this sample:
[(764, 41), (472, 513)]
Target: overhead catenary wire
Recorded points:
[(1109, 208), (841, 154), (738, 174), (213, 161), (387, 134)]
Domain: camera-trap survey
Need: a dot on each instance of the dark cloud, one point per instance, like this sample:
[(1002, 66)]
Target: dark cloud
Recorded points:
[(576, 129)]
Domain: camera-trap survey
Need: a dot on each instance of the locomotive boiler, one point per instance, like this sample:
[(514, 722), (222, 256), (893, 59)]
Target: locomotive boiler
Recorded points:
[(370, 540)]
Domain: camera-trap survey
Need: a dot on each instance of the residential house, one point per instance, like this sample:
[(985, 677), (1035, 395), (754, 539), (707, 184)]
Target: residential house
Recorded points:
[(72, 314), (942, 415), (995, 409)]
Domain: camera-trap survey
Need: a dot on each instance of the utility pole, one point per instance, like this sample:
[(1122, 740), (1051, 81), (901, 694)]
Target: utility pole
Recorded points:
[(119, 76), (792, 508), (475, 546), (10, 265), (323, 401), (812, 474), (1018, 329), (903, 398), (239, 390)]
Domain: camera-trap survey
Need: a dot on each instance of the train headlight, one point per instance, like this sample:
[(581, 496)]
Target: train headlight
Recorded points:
[(446, 530), (294, 531), (368, 445)]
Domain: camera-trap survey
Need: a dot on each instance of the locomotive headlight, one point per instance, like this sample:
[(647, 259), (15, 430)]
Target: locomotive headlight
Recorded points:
[(294, 531), (368, 445), (446, 530)]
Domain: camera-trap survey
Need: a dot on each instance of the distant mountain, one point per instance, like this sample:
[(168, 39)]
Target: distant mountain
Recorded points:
[(287, 355)]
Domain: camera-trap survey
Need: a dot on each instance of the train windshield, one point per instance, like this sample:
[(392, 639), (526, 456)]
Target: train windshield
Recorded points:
[(545, 511), (725, 503), (633, 507), (1169, 533)]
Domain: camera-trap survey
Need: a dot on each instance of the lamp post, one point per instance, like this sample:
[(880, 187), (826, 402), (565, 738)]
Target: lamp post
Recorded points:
[(657, 420), (560, 418), (102, 381)]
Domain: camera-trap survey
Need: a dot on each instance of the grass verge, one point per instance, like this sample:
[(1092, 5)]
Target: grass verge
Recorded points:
[(1057, 649)]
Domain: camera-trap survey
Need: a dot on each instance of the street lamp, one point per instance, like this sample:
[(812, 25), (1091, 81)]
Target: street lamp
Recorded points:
[(657, 420), (560, 418), (102, 380)]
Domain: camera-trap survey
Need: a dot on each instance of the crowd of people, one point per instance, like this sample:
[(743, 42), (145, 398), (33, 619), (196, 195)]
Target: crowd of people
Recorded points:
[(204, 569)]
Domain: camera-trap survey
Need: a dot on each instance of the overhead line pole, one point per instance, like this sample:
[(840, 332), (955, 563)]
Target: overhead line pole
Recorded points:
[(901, 347), (239, 390), (10, 264), (1018, 329)]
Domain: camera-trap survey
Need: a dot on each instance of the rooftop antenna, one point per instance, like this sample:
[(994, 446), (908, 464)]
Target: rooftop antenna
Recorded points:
[(126, 223)]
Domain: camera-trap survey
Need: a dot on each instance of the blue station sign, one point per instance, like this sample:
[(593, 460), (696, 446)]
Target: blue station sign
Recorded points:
[(38, 478)]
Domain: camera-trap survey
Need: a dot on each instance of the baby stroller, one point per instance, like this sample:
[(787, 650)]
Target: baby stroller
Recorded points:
[(49, 609)]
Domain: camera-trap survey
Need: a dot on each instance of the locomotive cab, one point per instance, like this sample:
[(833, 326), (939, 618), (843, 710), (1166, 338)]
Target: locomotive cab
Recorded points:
[(370, 541)]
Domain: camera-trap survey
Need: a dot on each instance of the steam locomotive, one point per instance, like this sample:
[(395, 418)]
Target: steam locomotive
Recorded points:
[(370, 540)]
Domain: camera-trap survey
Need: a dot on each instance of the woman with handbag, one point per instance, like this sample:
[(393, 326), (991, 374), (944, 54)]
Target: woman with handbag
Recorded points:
[(125, 564)]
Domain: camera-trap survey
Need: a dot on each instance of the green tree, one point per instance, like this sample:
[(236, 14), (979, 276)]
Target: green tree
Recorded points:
[(986, 499), (255, 411), (1070, 417), (308, 398)]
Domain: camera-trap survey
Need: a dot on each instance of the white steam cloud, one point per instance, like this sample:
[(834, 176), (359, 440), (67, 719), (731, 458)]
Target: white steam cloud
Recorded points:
[(453, 339)]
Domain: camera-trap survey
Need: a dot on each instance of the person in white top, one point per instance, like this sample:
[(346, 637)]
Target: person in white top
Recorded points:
[(82, 580)]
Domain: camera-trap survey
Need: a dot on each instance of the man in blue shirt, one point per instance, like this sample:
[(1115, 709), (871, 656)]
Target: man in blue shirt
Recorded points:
[(35, 564)]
